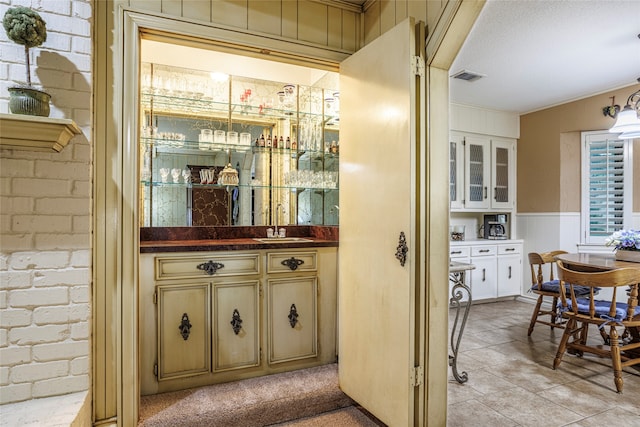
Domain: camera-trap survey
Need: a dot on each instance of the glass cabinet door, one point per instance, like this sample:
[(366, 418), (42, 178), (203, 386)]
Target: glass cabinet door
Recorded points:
[(477, 172), (456, 171), (501, 173)]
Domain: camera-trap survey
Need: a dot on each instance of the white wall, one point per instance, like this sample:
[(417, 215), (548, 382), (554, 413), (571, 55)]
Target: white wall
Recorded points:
[(45, 223)]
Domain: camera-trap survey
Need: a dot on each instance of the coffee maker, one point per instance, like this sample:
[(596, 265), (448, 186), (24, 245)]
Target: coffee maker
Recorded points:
[(496, 227)]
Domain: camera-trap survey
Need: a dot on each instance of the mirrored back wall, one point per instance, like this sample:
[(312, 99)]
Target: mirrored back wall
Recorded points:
[(224, 150)]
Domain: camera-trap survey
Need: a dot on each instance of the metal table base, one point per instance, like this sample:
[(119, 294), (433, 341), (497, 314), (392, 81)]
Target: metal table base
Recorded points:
[(457, 272)]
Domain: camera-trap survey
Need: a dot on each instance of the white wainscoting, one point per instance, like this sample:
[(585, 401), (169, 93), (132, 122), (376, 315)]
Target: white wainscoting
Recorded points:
[(548, 231)]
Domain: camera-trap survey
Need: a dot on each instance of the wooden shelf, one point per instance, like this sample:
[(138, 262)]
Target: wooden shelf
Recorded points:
[(34, 133)]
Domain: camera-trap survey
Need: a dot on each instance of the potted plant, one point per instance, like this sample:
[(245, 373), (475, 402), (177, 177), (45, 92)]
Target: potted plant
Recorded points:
[(25, 26), (626, 244)]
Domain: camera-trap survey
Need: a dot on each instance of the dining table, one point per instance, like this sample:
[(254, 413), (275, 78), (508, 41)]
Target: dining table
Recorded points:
[(595, 262), (589, 262)]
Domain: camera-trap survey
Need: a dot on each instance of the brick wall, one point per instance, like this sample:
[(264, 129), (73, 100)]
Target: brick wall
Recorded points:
[(45, 217)]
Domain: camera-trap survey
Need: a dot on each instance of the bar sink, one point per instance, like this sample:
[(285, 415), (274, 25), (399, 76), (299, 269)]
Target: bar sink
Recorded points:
[(282, 239)]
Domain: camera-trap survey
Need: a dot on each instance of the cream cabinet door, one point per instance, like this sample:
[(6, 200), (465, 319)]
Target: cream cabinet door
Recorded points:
[(236, 327), (292, 318), (183, 330), (381, 128)]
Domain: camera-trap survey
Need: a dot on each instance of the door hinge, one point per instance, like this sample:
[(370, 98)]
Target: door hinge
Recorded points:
[(417, 66), (155, 297), (416, 376), (155, 370)]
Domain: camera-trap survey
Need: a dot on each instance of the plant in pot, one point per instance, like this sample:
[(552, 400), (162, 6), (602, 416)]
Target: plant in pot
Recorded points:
[(25, 26)]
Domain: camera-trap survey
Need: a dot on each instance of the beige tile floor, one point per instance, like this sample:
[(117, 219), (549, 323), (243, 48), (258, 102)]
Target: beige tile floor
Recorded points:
[(512, 383)]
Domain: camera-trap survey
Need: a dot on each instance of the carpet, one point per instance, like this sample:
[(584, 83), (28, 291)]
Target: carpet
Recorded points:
[(301, 395)]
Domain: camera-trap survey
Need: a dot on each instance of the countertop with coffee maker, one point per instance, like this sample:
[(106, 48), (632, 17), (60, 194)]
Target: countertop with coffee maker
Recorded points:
[(483, 240), (489, 229)]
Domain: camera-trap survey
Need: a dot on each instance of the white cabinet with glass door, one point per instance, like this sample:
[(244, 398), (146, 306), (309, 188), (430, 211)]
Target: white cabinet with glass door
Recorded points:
[(483, 178)]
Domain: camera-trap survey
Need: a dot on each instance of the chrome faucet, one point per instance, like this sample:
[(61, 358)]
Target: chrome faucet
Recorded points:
[(276, 234)]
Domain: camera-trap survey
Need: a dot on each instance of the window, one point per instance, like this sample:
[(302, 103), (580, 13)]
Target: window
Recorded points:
[(607, 179)]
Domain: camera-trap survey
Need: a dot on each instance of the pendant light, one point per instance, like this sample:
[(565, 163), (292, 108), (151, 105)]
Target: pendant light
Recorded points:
[(627, 120)]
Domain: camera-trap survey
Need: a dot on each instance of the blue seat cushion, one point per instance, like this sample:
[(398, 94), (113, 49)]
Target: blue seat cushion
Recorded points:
[(554, 286), (602, 308)]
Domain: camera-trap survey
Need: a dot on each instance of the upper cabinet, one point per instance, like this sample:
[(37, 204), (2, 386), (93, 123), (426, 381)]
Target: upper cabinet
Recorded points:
[(230, 150), (482, 172)]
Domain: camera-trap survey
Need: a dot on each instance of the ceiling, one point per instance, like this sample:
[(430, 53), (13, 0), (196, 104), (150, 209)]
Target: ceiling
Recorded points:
[(540, 53)]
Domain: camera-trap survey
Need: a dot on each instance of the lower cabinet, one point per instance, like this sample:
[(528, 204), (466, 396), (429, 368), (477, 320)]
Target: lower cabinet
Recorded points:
[(186, 348), (236, 325), (498, 268), (292, 319), (218, 317)]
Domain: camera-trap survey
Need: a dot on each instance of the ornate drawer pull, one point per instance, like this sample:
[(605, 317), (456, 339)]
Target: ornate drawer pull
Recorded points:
[(402, 249), (185, 327), (293, 316), (236, 321), (292, 263), (210, 267)]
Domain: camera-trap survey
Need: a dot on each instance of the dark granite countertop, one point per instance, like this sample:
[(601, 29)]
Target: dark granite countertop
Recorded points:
[(196, 239)]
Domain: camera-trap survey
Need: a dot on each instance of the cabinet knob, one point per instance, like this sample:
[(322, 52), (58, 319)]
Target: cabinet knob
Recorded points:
[(293, 263), (236, 321), (185, 327), (402, 249), (293, 316), (210, 267)]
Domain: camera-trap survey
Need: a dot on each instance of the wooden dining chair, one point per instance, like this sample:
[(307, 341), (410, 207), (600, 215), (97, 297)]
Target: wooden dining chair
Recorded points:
[(544, 284), (614, 314)]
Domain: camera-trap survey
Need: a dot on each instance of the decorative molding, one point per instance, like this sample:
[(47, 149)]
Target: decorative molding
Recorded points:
[(350, 5), (34, 133)]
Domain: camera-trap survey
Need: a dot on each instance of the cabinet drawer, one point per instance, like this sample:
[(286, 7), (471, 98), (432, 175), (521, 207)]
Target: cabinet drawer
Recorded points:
[(459, 251), (483, 250), (290, 262), (187, 267), (509, 249)]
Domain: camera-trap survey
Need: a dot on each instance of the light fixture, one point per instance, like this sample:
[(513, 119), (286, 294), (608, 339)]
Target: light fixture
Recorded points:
[(630, 135), (627, 120)]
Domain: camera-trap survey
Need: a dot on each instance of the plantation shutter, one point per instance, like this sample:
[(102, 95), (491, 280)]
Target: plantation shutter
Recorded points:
[(606, 161)]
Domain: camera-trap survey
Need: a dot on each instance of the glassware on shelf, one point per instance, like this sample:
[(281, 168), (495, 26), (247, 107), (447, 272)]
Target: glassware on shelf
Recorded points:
[(218, 137), (175, 174), (186, 175), (245, 138), (232, 137), (164, 174), (205, 139)]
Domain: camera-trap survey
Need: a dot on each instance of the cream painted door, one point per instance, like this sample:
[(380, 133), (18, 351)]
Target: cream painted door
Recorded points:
[(379, 181)]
